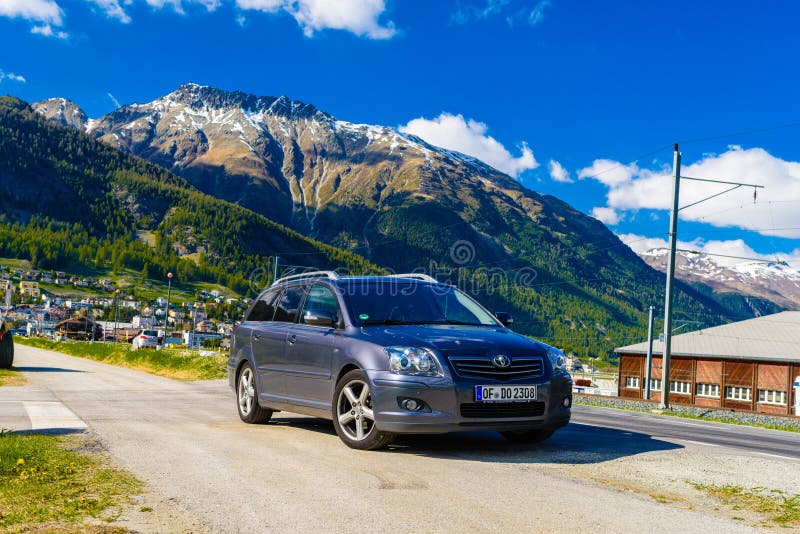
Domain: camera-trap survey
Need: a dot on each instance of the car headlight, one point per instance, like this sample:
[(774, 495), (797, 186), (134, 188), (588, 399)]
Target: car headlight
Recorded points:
[(557, 358), (412, 361)]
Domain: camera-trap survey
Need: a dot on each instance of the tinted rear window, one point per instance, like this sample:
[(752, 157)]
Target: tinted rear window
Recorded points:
[(289, 303), (150, 333), (264, 309)]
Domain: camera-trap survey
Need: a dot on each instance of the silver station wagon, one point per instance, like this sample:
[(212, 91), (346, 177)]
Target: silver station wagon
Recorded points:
[(388, 355)]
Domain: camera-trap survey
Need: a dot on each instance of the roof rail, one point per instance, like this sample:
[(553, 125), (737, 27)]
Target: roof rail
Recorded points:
[(415, 276), (313, 274)]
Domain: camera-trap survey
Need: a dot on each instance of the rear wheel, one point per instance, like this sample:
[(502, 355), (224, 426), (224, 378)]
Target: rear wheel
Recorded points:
[(353, 417), (247, 398), (6, 351), (528, 436)]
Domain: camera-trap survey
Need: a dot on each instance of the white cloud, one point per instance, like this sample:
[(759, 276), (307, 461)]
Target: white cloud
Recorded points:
[(607, 215), (609, 172), (558, 172), (10, 76), (47, 30), (514, 15), (44, 14), (42, 11), (453, 132), (360, 17), (113, 100), (537, 13), (775, 211), (733, 247), (113, 9)]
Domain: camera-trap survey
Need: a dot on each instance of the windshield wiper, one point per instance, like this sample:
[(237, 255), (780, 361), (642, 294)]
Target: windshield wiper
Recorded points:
[(384, 321)]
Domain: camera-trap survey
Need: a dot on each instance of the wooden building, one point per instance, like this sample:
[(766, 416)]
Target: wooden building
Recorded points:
[(745, 366)]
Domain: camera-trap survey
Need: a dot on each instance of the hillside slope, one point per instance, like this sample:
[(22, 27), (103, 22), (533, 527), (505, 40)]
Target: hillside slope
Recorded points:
[(65, 196)]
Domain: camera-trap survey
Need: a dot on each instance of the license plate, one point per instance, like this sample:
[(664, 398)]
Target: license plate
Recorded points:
[(505, 393)]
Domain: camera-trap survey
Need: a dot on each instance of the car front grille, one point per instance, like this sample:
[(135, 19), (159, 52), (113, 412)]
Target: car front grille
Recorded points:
[(502, 409), (482, 367)]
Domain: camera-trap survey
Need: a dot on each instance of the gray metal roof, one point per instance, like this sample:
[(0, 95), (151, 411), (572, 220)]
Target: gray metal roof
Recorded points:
[(772, 337)]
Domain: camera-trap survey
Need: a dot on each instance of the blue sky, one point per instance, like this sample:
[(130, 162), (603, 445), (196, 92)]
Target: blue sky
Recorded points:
[(582, 100)]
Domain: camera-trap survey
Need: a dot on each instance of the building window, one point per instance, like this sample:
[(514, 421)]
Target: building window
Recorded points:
[(766, 396), (738, 393), (708, 390), (682, 388), (631, 382), (655, 384)]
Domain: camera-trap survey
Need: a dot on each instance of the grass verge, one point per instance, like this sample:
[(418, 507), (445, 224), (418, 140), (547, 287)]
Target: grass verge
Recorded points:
[(178, 364), (55, 483), (10, 377), (773, 505)]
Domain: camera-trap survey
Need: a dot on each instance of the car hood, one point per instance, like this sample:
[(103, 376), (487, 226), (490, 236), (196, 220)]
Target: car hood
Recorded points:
[(455, 339)]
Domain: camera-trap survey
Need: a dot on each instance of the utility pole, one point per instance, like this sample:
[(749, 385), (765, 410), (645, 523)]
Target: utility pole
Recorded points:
[(673, 243), (116, 316), (673, 238), (649, 367)]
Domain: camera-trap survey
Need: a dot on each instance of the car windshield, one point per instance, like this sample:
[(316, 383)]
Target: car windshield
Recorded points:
[(406, 302)]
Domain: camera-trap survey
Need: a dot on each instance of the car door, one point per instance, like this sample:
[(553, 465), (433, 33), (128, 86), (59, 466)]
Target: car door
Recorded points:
[(287, 309), (311, 349), (267, 340)]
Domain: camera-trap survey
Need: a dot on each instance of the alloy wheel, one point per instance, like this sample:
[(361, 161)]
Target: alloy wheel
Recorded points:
[(354, 410)]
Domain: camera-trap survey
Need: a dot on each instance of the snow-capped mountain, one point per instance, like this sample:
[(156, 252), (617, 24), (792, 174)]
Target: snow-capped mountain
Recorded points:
[(776, 281), (279, 157), (62, 111)]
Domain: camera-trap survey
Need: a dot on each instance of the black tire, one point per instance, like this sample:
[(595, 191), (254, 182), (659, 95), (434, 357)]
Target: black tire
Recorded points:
[(246, 387), (537, 435), (6, 351), (359, 406)]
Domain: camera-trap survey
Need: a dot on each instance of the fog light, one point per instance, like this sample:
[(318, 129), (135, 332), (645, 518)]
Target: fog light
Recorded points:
[(411, 405), (567, 402)]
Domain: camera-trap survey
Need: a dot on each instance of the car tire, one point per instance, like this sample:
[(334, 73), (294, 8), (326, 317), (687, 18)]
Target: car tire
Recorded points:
[(6, 351), (353, 417), (536, 435), (250, 411)]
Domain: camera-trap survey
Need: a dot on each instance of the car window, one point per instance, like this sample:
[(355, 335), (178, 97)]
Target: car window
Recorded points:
[(289, 303), (151, 333), (321, 300), (404, 302), (264, 308)]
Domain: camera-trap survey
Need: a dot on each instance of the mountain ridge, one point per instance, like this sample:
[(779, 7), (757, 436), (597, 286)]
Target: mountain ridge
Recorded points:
[(774, 281)]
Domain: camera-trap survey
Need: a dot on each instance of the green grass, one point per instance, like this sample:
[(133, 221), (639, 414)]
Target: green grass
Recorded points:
[(178, 364), (777, 506), (10, 377), (52, 483)]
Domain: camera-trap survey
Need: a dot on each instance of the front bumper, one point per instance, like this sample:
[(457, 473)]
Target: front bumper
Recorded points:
[(444, 397)]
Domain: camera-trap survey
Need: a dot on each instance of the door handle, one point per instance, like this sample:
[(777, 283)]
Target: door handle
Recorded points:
[(291, 339), (256, 337)]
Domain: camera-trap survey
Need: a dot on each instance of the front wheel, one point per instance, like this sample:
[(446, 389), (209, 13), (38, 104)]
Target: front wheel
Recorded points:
[(537, 435), (247, 398), (353, 416)]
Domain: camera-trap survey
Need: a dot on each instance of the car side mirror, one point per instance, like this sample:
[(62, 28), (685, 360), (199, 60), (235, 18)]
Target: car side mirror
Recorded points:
[(319, 318), (505, 318)]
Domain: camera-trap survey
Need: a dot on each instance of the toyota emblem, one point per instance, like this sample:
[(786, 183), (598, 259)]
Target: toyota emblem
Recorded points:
[(501, 360)]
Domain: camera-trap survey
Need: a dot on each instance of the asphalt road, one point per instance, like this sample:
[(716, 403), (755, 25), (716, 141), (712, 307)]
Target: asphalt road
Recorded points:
[(186, 442), (743, 439)]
